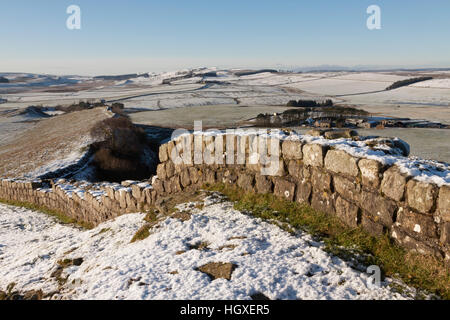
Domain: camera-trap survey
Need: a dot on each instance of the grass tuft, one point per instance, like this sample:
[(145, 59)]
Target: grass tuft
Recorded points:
[(142, 233)]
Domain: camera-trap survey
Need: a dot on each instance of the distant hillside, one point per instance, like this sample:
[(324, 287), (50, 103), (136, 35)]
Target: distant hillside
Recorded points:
[(122, 77)]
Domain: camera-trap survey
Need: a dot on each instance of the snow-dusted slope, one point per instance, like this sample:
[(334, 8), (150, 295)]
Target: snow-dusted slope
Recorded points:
[(163, 266)]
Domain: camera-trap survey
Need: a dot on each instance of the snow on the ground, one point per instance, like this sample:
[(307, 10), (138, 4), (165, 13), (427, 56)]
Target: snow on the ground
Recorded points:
[(269, 260), (434, 83)]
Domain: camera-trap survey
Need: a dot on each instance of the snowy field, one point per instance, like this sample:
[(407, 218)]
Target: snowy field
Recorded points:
[(267, 260), (228, 98), (197, 87)]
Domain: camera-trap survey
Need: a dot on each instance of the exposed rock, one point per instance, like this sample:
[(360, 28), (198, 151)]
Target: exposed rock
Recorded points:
[(350, 190), (295, 169), (324, 202), (339, 161), (245, 181), (185, 178), (137, 192), (421, 196), (444, 203), (259, 297), (163, 155), (170, 169), (263, 184), (393, 184), (292, 150), (392, 146), (370, 172), (445, 233), (320, 180), (347, 212), (412, 244), (158, 185), (337, 134), (304, 190), (313, 155), (284, 189), (415, 223), (218, 270), (381, 210), (315, 132), (161, 171), (375, 229), (194, 174)]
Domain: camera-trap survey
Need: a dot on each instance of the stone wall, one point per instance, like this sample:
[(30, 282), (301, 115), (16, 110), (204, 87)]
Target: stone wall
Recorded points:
[(361, 192)]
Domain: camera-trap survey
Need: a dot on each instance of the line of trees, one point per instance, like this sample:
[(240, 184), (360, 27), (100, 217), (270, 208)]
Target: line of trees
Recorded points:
[(407, 82), (310, 103)]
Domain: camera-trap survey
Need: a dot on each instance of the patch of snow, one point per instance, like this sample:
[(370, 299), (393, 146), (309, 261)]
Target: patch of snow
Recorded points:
[(269, 260)]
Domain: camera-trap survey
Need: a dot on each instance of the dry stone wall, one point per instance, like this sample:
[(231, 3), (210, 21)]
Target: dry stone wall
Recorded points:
[(361, 192)]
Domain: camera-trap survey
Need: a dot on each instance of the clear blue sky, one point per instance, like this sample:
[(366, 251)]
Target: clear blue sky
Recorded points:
[(146, 35)]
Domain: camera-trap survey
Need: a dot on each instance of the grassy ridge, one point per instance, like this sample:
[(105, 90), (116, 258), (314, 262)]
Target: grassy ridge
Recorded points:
[(420, 271)]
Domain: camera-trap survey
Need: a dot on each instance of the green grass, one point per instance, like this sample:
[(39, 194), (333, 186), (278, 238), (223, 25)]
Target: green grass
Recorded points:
[(59, 216), (142, 233), (420, 271)]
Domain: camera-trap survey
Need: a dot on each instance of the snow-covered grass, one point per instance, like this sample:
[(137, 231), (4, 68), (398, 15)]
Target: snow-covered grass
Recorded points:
[(163, 266)]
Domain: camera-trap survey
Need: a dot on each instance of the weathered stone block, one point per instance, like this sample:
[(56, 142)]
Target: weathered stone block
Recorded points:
[(284, 189), (158, 185), (339, 161), (185, 178), (370, 172), (324, 202), (320, 180), (292, 150), (136, 191), (445, 233), (347, 212), (350, 190), (230, 177), (411, 243), (271, 166), (415, 223), (393, 184), (163, 155), (161, 171), (421, 196), (122, 198), (295, 169), (382, 210), (210, 176), (245, 181), (444, 203), (313, 155), (337, 134), (304, 190), (170, 169), (375, 229), (263, 184)]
